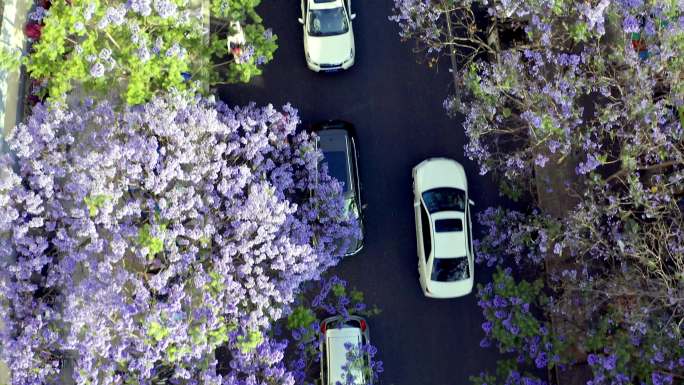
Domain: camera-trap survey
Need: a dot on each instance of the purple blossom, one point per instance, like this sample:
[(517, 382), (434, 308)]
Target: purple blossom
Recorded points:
[(143, 7), (589, 165), (630, 24), (661, 379), (593, 359), (38, 14), (541, 360), (500, 302), (97, 70), (541, 160), (105, 54), (609, 362), (165, 8), (487, 326), (224, 225)]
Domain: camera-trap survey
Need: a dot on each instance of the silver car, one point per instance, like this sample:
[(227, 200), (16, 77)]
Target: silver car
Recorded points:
[(338, 144)]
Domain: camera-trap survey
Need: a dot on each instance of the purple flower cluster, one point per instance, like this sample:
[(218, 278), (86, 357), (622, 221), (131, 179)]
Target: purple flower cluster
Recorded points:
[(507, 373), (360, 363), (510, 323), (512, 237), (154, 234), (616, 119), (165, 8), (421, 20)]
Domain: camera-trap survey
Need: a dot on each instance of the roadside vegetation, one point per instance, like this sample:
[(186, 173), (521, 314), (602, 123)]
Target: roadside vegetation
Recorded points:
[(583, 101), (136, 50)]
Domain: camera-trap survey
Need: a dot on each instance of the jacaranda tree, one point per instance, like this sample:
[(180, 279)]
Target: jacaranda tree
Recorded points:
[(598, 85), (144, 237), (143, 47)]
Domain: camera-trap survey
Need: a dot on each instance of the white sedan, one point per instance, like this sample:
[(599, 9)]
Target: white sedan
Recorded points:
[(328, 34), (443, 228)]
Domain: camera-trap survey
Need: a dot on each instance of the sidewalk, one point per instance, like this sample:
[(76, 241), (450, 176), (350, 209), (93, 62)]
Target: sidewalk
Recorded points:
[(553, 198), (13, 13)]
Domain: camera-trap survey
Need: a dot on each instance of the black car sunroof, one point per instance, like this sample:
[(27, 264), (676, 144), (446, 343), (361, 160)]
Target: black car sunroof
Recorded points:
[(323, 1)]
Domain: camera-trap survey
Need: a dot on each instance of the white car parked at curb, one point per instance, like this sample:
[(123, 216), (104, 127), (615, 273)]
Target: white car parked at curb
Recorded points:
[(337, 332), (328, 34), (443, 228)]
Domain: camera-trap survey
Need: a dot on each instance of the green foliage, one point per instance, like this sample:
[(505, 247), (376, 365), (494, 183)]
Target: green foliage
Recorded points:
[(249, 342), (95, 202), (511, 190), (174, 353), (218, 336), (235, 9), (507, 372), (580, 32), (559, 7), (213, 337), (608, 336), (528, 327), (149, 54), (215, 286), (472, 81), (157, 331), (548, 127), (339, 290), (301, 317), (154, 244), (506, 287)]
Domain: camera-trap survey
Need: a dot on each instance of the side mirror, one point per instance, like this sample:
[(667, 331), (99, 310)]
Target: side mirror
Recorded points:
[(416, 204), (470, 201), (300, 20), (352, 16)]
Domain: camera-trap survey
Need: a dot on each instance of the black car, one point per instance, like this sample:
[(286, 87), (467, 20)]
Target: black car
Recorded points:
[(338, 144)]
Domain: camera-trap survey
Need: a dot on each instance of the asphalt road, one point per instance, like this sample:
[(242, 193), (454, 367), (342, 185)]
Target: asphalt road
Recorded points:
[(396, 105)]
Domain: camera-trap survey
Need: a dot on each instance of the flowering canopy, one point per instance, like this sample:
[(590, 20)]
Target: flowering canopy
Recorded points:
[(147, 237), (598, 85), (144, 46)]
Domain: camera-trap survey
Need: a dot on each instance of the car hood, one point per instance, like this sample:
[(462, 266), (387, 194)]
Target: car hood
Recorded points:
[(330, 49), (436, 173)]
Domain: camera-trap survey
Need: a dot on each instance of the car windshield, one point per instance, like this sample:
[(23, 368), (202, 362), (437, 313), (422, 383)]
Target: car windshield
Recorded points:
[(337, 167), (450, 269), (328, 22), (444, 199)]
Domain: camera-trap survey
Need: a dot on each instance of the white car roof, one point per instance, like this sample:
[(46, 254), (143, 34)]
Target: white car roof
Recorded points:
[(337, 353), (325, 4), (450, 244)]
